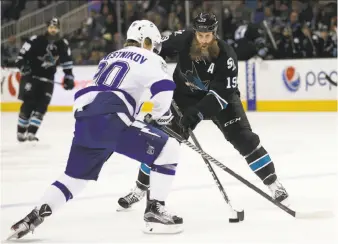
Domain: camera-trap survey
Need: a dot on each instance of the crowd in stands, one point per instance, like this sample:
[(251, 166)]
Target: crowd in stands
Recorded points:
[(288, 20), (12, 9)]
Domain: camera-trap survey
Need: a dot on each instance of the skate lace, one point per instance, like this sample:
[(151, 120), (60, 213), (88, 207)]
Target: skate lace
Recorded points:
[(163, 211), (280, 192), (33, 220), (133, 197)]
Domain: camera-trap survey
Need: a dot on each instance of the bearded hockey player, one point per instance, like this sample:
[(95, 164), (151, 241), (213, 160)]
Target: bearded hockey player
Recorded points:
[(105, 123), (37, 61), (207, 88)]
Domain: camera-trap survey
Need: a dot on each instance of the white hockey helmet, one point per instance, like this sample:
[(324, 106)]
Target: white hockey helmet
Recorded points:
[(139, 30)]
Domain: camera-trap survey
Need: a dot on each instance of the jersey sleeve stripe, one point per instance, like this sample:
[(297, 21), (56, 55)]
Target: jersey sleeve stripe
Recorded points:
[(88, 89), (220, 100), (161, 86), (67, 65)]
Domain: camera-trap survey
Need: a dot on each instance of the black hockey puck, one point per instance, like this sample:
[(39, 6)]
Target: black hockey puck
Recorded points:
[(240, 217), (233, 220)]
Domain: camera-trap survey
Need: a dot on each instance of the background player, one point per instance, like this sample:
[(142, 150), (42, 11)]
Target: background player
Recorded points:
[(37, 62), (105, 123), (206, 80)]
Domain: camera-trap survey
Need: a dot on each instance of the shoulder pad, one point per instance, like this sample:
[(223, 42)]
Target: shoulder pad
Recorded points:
[(33, 37), (164, 38), (178, 32), (164, 66), (65, 41)]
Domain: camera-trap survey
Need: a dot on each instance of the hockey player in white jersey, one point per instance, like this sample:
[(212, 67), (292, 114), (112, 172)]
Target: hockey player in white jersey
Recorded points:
[(105, 123)]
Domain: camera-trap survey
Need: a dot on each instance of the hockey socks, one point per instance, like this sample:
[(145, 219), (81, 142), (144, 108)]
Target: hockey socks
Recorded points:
[(261, 164), (22, 128), (29, 126), (143, 177), (61, 191), (34, 123), (161, 179)]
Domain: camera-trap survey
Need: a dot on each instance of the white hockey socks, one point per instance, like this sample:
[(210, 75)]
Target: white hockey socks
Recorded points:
[(61, 191)]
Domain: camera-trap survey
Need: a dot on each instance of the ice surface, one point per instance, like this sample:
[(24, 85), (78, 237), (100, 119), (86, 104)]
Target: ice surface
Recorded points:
[(302, 145)]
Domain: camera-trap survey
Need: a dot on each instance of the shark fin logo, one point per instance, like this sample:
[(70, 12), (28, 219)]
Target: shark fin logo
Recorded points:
[(194, 81)]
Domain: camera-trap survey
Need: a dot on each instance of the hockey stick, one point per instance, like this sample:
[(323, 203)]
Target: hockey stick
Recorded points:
[(328, 78), (272, 39), (298, 215), (236, 216), (47, 80)]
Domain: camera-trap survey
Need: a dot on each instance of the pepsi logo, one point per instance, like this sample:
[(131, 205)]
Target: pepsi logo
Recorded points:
[(291, 78)]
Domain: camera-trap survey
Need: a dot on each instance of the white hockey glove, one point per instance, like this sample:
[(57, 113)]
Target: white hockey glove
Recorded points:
[(162, 121), (165, 119)]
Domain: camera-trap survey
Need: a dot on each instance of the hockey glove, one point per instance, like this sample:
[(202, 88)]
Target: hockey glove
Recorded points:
[(191, 117), (164, 120), (25, 70), (68, 82)]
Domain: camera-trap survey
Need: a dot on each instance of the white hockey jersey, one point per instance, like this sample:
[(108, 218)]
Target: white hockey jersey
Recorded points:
[(135, 75)]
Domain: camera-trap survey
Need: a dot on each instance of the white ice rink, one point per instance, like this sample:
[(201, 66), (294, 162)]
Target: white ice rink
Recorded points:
[(302, 145)]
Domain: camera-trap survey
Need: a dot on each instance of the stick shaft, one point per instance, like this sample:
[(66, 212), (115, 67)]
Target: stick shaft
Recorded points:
[(211, 170), (229, 171)]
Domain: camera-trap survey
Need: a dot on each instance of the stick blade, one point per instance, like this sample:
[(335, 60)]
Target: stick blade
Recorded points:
[(315, 215), (237, 216)]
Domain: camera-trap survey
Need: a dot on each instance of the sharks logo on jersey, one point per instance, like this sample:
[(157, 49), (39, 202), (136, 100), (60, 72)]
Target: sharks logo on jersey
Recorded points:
[(194, 81), (50, 58)]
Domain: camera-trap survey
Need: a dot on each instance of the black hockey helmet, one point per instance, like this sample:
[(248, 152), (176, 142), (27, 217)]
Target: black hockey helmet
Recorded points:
[(54, 22), (205, 22)]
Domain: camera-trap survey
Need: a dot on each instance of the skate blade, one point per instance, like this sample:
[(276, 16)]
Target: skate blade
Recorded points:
[(122, 209), (156, 228), (286, 202), (32, 143), (16, 232)]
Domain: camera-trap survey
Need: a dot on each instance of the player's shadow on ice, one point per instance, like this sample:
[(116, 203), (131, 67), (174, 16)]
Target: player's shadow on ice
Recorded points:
[(24, 241)]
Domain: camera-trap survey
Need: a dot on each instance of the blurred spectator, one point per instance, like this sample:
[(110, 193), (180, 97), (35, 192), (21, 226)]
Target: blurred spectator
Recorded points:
[(108, 6), (5, 10), (9, 52), (13, 10), (299, 29), (162, 7), (180, 14), (109, 28), (306, 15), (243, 13), (294, 25), (43, 3), (228, 24), (259, 12)]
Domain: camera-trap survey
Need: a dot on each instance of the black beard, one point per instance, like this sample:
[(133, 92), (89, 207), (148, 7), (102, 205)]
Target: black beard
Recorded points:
[(52, 38)]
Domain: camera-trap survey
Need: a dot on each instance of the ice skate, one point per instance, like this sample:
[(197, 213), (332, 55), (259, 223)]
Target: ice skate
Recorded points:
[(32, 138), (279, 193), (30, 222), (158, 220), (136, 195), (21, 137)]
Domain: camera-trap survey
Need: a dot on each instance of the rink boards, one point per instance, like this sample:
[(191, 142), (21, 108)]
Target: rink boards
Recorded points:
[(283, 85)]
